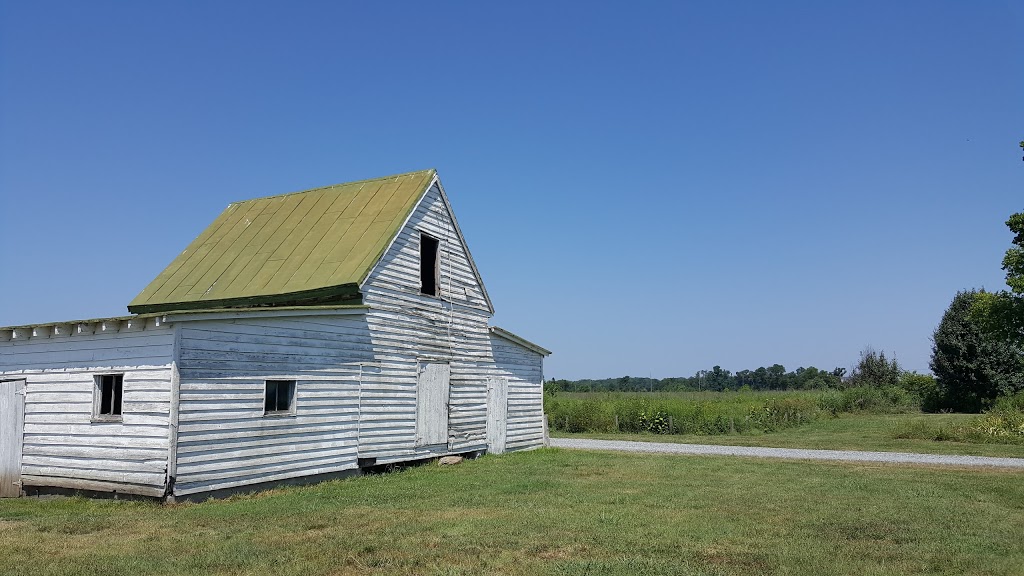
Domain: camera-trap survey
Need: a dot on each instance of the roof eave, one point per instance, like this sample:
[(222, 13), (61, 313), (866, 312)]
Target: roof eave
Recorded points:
[(343, 294), (519, 340)]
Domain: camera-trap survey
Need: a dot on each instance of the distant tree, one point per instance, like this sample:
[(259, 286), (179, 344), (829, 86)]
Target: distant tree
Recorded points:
[(972, 365), (719, 379), (874, 369), (761, 380)]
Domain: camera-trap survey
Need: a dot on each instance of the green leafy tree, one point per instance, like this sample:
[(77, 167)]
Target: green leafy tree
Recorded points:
[(1002, 313), (972, 366), (874, 369)]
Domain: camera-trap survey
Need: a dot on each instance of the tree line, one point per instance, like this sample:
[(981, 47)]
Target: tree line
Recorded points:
[(774, 377), (977, 356)]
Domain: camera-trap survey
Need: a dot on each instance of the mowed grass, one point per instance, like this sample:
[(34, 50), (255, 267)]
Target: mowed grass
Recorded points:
[(874, 432), (552, 512)]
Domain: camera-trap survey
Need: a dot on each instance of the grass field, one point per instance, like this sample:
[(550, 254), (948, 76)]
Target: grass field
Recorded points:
[(552, 512), (847, 432)]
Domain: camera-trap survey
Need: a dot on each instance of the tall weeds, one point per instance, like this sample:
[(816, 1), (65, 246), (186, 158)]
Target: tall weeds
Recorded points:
[(664, 414)]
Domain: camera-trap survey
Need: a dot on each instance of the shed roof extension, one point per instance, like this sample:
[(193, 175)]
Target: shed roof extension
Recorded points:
[(303, 248), (519, 340)]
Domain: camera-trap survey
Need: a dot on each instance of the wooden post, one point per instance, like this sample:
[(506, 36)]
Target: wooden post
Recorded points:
[(732, 425), (671, 426), (617, 423), (566, 423)]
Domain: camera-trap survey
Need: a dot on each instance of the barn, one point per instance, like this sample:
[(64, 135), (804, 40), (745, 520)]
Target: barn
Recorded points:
[(299, 337)]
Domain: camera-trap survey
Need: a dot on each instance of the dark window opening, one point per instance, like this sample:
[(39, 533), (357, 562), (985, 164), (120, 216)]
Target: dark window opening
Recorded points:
[(428, 264), (109, 388), (280, 396)]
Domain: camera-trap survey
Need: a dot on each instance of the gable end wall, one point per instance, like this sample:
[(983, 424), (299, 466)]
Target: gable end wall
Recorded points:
[(409, 328)]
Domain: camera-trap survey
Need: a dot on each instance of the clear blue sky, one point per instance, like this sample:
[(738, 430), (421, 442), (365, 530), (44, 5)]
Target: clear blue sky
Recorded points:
[(647, 188)]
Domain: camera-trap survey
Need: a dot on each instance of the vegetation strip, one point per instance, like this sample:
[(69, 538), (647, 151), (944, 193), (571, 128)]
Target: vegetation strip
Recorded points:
[(790, 453)]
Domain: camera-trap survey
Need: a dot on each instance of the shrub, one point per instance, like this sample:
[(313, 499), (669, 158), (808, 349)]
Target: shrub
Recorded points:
[(873, 369), (882, 400), (781, 413), (1002, 424), (833, 402)]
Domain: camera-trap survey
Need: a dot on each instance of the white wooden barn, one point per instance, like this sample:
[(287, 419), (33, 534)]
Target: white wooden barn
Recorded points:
[(299, 337)]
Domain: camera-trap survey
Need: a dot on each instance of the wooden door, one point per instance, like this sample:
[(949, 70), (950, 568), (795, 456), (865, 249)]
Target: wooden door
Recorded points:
[(12, 426), (432, 404), (497, 414)]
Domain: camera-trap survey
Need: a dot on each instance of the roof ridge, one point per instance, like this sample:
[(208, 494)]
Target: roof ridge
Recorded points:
[(329, 186)]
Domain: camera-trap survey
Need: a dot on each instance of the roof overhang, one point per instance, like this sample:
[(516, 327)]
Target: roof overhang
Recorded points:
[(338, 295), (280, 312), (519, 340), (147, 321)]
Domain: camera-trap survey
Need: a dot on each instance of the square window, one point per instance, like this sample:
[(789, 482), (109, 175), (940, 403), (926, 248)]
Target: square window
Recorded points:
[(107, 396), (279, 397)]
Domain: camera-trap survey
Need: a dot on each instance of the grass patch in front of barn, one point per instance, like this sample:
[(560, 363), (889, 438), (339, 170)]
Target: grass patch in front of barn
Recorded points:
[(552, 512)]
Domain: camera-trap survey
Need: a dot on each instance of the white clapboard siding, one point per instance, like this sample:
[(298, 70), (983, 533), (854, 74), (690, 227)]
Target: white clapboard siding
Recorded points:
[(399, 269), (225, 441), (524, 370), (63, 446), (408, 328), (406, 325)]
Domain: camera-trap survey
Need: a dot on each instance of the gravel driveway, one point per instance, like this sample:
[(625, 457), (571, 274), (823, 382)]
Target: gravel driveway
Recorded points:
[(844, 455)]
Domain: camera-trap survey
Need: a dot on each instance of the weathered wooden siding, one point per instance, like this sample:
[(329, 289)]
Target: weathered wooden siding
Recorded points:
[(524, 370), (225, 441), (398, 272), (63, 446), (408, 328)]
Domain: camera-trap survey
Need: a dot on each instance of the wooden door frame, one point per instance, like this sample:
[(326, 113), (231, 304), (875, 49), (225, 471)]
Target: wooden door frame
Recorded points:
[(492, 425), (421, 442), (20, 389)]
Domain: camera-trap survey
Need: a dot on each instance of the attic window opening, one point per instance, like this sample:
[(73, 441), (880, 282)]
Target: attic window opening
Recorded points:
[(429, 264), (107, 396), (279, 397)]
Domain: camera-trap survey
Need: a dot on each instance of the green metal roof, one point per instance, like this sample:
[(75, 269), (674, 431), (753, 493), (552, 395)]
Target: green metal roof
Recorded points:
[(311, 247)]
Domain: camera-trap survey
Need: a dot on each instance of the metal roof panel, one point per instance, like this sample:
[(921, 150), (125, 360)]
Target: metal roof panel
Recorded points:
[(306, 243)]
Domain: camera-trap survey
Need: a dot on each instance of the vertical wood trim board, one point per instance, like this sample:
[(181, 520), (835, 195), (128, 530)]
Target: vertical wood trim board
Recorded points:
[(12, 424), (172, 428)]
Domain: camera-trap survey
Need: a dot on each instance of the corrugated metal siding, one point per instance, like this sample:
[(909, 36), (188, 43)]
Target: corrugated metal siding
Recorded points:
[(224, 439), (62, 445)]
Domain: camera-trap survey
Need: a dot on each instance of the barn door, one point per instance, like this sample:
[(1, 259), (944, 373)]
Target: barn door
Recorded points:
[(497, 414), (432, 404), (12, 426)]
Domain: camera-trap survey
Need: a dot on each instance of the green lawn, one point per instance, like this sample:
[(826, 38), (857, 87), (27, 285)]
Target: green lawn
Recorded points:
[(846, 432), (552, 512)]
